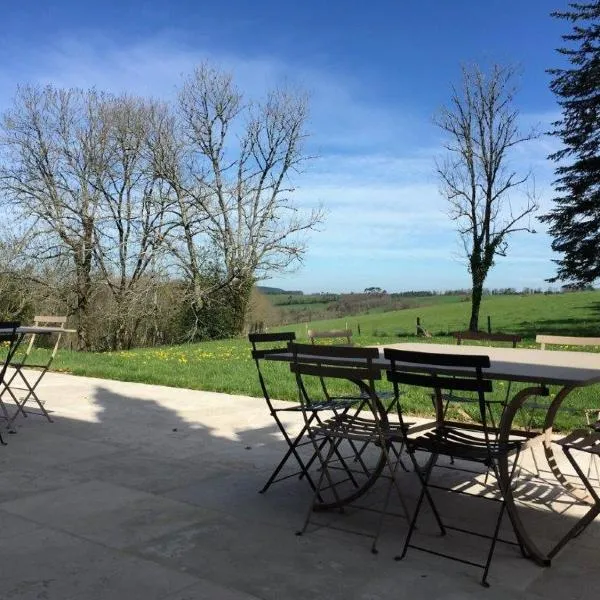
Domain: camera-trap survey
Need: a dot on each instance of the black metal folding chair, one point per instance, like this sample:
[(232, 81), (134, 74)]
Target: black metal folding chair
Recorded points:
[(8, 338), (345, 478), (38, 370), (533, 412), (294, 443), (482, 336), (468, 442), (582, 441)]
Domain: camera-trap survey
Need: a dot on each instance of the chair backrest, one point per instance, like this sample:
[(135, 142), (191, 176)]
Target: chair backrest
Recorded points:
[(438, 372), (263, 338), (47, 321), (258, 353), (335, 362), (511, 338), (331, 335), (563, 340)]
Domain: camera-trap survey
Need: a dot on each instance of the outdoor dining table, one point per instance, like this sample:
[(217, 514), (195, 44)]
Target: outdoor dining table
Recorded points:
[(22, 332), (538, 368)]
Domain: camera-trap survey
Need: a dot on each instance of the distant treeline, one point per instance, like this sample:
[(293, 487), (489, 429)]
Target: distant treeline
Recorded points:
[(270, 291), (330, 297)]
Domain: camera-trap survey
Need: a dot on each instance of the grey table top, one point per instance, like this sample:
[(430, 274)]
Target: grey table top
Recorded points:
[(551, 367)]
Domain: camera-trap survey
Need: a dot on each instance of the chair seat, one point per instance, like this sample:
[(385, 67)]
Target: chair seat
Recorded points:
[(455, 442), (582, 440), (359, 428)]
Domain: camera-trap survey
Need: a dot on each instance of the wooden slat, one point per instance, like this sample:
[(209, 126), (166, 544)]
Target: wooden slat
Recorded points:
[(434, 358), (582, 440), (564, 340), (463, 384), (262, 352), (485, 336), (281, 336), (332, 333), (335, 372), (39, 319), (333, 351)]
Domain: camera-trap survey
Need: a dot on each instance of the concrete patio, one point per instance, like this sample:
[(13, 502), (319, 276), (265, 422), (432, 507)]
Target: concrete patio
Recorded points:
[(139, 491)]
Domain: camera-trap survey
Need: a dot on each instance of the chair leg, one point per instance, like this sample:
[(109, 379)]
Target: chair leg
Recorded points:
[(424, 479), (393, 483), (6, 390), (317, 491), (292, 450), (486, 569), (32, 395)]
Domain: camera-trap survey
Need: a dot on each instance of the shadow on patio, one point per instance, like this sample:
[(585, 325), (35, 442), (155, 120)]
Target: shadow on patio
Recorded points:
[(149, 492)]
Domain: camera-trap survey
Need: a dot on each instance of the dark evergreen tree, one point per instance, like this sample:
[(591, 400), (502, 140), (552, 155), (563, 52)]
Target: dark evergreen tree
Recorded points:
[(575, 219)]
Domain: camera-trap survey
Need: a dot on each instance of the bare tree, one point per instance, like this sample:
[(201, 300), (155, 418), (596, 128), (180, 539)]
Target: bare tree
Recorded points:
[(482, 129), (231, 181), (130, 224), (123, 194), (52, 140)]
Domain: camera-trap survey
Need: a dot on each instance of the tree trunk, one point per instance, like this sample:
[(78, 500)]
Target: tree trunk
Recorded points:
[(83, 266), (476, 294), (240, 301)]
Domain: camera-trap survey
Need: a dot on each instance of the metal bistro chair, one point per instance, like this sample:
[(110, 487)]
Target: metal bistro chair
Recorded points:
[(334, 337), (585, 442), (531, 410), (473, 443), (368, 424), (8, 337), (482, 336), (295, 443), (581, 342), (390, 399), (24, 362)]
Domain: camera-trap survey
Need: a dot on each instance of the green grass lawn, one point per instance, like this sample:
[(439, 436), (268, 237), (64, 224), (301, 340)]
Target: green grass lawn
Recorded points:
[(576, 313), (226, 366)]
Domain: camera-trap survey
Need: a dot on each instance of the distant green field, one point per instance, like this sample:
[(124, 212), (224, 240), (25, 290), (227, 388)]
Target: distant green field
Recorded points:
[(576, 313), (226, 366)]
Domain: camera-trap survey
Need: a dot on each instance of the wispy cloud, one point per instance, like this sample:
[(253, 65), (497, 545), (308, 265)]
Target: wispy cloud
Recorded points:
[(374, 171)]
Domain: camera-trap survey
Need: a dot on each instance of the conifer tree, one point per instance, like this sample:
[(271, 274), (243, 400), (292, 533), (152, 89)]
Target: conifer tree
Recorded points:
[(575, 219)]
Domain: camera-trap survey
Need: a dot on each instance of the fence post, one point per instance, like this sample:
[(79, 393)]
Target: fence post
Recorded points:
[(358, 328), (489, 324)]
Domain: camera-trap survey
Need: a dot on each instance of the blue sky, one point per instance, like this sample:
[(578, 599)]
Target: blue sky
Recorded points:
[(376, 72)]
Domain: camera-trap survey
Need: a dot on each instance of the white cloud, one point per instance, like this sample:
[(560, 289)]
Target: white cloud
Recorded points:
[(375, 168)]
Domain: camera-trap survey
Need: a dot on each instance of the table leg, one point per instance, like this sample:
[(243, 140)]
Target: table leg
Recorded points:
[(504, 472), (5, 384), (579, 492)]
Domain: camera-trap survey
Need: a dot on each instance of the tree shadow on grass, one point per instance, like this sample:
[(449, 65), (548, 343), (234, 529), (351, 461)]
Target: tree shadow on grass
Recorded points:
[(587, 325)]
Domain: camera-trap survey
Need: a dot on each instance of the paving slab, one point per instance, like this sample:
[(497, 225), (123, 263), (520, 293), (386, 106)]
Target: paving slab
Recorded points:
[(52, 565), (208, 590), (139, 491), (109, 514)]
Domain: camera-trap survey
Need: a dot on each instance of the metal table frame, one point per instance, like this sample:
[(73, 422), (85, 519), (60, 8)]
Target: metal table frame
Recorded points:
[(31, 385), (569, 370)]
